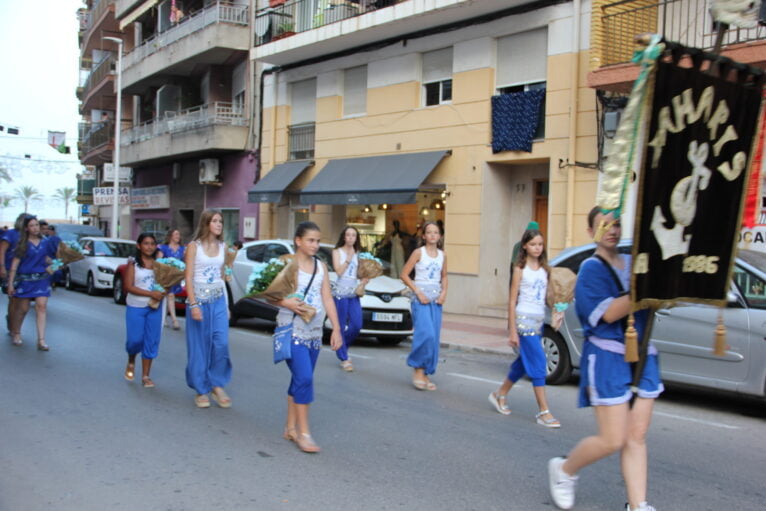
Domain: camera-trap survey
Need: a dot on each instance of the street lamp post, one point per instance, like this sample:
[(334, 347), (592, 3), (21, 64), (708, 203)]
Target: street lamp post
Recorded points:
[(117, 126)]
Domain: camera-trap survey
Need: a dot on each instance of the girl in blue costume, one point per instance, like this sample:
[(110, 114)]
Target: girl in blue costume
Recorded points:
[(28, 279), (8, 243), (208, 367), (173, 248), (605, 377), (526, 314), (143, 323), (430, 290), (314, 285), (345, 260)]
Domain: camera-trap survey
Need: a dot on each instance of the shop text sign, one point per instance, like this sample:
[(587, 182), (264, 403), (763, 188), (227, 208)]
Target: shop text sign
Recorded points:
[(152, 197), (104, 195)]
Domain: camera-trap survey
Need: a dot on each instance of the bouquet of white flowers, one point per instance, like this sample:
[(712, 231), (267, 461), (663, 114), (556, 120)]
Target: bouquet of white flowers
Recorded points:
[(168, 271), (277, 280), (369, 268)]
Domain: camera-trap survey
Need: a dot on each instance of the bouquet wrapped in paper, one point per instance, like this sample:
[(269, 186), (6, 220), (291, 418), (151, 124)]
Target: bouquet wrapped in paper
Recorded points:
[(277, 280), (228, 262), (168, 271), (561, 284), (66, 252), (369, 268)]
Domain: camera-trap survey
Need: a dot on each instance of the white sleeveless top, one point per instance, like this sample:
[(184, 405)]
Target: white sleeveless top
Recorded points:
[(143, 278), (428, 273), (208, 283), (308, 334), (346, 284), (534, 284)]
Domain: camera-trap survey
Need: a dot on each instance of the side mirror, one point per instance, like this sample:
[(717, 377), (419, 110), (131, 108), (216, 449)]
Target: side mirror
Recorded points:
[(732, 300)]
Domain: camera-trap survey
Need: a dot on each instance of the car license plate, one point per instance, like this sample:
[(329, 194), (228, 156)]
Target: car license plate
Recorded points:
[(388, 317)]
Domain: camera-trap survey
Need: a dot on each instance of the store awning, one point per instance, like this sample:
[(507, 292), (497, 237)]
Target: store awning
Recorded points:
[(136, 13), (272, 186), (391, 179)]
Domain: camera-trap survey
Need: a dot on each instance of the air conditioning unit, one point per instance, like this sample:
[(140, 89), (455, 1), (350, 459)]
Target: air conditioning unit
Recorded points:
[(209, 173)]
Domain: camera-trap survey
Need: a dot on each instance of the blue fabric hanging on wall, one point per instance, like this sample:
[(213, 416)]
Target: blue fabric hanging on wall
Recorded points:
[(514, 120)]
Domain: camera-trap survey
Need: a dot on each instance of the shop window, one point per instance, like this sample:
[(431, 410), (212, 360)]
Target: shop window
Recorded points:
[(230, 225), (437, 77)]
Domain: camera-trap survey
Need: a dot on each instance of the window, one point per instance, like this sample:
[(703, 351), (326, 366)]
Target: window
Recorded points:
[(540, 131), (230, 225), (255, 253), (238, 86), (752, 288), (437, 77), (274, 250), (355, 90), (303, 101)]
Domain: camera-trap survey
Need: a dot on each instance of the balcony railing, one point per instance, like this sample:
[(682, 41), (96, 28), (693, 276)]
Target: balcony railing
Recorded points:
[(219, 12), (301, 140), (96, 11), (96, 134), (683, 21), (106, 67), (294, 16), (215, 114)]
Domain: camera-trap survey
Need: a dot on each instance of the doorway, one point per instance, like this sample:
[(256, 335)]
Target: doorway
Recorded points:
[(540, 205)]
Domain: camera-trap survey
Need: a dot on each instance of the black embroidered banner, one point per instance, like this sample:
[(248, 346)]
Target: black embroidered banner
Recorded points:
[(692, 185)]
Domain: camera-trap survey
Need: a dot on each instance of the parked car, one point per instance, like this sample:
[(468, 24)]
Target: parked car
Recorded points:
[(102, 257), (73, 232), (119, 294), (684, 334), (385, 309)]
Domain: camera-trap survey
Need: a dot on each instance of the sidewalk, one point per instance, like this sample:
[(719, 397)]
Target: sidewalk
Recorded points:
[(475, 333)]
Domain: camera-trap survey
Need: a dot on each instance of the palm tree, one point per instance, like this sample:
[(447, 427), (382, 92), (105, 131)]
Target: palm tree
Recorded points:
[(67, 195), (26, 194), (5, 175)]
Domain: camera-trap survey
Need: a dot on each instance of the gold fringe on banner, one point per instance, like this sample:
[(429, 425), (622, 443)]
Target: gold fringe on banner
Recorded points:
[(719, 348), (631, 340)]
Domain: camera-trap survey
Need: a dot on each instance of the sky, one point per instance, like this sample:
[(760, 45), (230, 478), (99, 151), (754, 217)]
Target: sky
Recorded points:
[(39, 59)]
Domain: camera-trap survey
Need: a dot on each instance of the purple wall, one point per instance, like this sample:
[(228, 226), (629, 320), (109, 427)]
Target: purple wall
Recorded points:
[(238, 175), (151, 176)]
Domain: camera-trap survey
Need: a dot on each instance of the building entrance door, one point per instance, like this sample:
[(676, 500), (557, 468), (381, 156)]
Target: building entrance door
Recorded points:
[(540, 210)]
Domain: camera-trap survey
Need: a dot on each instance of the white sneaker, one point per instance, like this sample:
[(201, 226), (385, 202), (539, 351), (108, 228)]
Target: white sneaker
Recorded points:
[(562, 486), (641, 507)]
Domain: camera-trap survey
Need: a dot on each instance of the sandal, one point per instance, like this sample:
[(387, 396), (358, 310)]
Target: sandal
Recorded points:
[(306, 443), (176, 326), (16, 339), (221, 398), (290, 434), (129, 371), (147, 382), (420, 384), (346, 366), (201, 401), (41, 345), (499, 402), (551, 422), (430, 385)]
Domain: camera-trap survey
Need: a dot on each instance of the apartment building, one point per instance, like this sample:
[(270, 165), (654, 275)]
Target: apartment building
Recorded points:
[(614, 25), (187, 88), (471, 113)]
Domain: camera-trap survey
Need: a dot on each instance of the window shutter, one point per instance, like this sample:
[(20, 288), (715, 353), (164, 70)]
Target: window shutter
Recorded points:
[(437, 65), (303, 101), (355, 90), (521, 58)]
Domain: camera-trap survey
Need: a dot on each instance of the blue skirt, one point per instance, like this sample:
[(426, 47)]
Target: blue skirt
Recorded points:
[(33, 287)]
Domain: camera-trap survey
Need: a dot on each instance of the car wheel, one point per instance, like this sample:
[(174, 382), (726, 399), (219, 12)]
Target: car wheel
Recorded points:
[(90, 285), (117, 291), (558, 364), (390, 341), (68, 281)]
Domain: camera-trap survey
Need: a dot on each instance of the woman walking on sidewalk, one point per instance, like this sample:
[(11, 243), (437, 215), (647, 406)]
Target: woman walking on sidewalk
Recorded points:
[(208, 367), (306, 341), (142, 322), (173, 248), (345, 260), (28, 279), (526, 313), (430, 290), (602, 302)]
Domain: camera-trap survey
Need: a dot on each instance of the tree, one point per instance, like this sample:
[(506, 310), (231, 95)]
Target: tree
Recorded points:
[(67, 195), (4, 174), (26, 194)]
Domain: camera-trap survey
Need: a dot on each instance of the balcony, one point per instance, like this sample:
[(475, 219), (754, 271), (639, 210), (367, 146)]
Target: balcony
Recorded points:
[(98, 22), (85, 191), (95, 140), (100, 83), (687, 22), (209, 36), (303, 29), (217, 126), (300, 141)]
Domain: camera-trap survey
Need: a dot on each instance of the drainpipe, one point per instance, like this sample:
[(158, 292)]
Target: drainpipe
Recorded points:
[(573, 108), (273, 148)]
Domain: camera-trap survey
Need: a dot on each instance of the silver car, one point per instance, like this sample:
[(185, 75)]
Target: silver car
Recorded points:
[(684, 334)]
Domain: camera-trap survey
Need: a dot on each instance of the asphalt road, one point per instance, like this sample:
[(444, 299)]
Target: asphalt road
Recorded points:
[(74, 435)]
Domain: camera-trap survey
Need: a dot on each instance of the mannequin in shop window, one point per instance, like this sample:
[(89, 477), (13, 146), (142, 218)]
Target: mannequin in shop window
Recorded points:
[(397, 238)]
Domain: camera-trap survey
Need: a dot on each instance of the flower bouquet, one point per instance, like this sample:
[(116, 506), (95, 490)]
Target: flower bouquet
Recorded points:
[(277, 280), (66, 252), (168, 271), (369, 268), (228, 262), (561, 284)]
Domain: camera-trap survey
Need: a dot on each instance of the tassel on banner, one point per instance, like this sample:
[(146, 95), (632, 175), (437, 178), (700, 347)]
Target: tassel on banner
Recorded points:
[(719, 348), (631, 340)]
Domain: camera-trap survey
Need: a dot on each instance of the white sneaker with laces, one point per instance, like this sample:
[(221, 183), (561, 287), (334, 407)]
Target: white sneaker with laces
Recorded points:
[(562, 486), (641, 507)]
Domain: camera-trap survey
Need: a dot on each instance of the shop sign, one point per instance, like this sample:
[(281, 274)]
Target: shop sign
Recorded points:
[(126, 173), (152, 197), (753, 239), (88, 210), (104, 195)]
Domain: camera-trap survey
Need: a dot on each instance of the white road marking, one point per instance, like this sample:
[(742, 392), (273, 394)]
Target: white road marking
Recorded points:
[(485, 380), (698, 421)]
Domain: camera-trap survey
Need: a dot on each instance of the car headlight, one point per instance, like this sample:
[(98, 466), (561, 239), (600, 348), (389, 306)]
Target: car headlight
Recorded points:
[(104, 269)]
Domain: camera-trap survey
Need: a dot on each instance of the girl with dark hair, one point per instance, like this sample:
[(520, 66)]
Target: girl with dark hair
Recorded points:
[(430, 290), (526, 314), (143, 323), (28, 279), (208, 367), (173, 248), (345, 260), (314, 285)]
